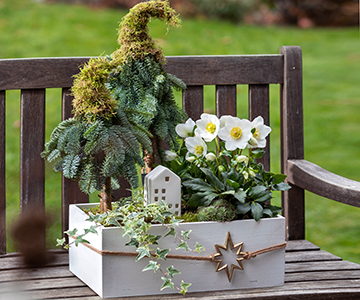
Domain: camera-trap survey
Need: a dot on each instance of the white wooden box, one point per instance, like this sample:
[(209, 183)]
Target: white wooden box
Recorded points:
[(114, 276)]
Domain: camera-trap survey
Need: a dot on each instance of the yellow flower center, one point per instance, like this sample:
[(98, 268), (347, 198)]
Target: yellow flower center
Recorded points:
[(198, 150), (211, 127), (257, 133), (235, 133)]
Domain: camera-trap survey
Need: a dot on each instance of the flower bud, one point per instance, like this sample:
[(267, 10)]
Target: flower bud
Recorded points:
[(210, 156), (170, 155), (191, 159), (242, 158), (245, 174), (252, 173), (253, 142), (221, 168)]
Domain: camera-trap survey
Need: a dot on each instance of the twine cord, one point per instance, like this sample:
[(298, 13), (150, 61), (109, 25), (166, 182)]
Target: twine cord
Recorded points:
[(247, 255)]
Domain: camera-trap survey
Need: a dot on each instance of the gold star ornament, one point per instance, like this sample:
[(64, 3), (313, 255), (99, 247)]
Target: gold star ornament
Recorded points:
[(225, 267)]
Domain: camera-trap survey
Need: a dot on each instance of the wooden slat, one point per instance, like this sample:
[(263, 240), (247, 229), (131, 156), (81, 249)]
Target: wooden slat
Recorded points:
[(193, 101), (259, 105), (225, 100), (71, 192), (324, 183), (317, 276), (227, 70), (32, 170), (32, 73), (310, 256), (300, 245), (32, 166), (322, 266), (292, 138), (2, 175), (210, 70)]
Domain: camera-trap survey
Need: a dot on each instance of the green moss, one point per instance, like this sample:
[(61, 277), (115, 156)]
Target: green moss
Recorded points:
[(220, 211)]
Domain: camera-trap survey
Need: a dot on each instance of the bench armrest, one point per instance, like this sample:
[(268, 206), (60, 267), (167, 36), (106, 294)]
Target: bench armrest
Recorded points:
[(315, 179)]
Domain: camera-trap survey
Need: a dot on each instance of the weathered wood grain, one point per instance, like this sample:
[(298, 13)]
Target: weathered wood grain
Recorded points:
[(324, 183), (225, 100), (292, 138), (300, 245), (310, 256), (2, 175), (259, 105), (193, 101), (322, 266)]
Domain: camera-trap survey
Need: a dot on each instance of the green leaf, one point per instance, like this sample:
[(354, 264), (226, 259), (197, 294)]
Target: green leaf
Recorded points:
[(213, 180), (170, 232), (161, 253), (167, 283), (268, 212), (153, 265), (257, 153), (198, 184), (183, 245), (256, 211), (92, 229), (240, 195), (232, 183), (282, 187), (60, 242), (79, 240), (199, 248), (185, 234), (278, 178), (202, 199), (184, 287), (71, 232), (243, 208), (172, 271), (142, 253)]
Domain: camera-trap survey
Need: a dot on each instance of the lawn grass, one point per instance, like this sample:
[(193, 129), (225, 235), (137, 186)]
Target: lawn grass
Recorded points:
[(331, 63)]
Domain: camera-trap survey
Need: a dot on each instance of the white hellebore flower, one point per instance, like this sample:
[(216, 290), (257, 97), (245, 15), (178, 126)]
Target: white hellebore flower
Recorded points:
[(210, 156), (185, 130), (242, 158), (261, 131), (235, 133), (207, 127), (170, 155), (223, 120), (196, 145), (190, 159)]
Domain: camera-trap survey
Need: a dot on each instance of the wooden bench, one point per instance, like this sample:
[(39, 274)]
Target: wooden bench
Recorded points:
[(310, 272)]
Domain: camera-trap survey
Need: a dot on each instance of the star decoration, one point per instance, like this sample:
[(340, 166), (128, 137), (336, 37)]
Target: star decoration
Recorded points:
[(238, 259)]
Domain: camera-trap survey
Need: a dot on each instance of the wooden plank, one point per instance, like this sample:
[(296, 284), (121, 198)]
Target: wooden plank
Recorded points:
[(227, 70), (310, 256), (71, 192), (324, 183), (300, 245), (303, 267), (195, 70), (193, 101), (32, 73), (317, 276), (15, 262), (292, 138), (38, 273), (225, 100), (259, 105), (32, 166), (2, 175)]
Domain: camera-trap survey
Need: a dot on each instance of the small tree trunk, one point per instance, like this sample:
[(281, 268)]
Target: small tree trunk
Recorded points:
[(105, 196), (149, 159)]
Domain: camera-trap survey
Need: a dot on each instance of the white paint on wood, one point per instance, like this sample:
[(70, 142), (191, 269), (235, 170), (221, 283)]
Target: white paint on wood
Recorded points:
[(114, 276)]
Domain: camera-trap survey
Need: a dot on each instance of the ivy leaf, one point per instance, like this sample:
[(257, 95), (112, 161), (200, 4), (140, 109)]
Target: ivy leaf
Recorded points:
[(71, 232), (175, 221), (153, 265), (185, 234), (60, 242), (92, 229), (167, 284), (79, 240), (199, 248), (256, 211), (170, 232), (172, 271), (142, 253), (161, 253), (183, 245), (184, 287)]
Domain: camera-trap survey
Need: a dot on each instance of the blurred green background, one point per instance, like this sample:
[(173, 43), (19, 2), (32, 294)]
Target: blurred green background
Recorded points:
[(331, 65)]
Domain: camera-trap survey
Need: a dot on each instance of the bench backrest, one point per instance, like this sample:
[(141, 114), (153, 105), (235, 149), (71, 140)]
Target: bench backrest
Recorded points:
[(34, 76)]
